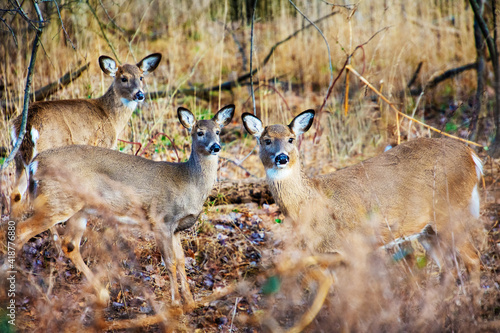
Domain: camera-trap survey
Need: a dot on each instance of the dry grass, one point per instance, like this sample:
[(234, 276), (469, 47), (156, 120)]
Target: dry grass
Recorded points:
[(238, 245)]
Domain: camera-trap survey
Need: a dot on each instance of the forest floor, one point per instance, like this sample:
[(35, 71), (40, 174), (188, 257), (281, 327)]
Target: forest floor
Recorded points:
[(231, 255)]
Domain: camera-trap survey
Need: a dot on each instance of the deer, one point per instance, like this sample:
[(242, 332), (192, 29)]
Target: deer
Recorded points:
[(422, 183), (96, 122), (72, 182)]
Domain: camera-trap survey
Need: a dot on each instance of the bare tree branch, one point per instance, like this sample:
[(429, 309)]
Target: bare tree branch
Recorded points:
[(36, 44), (101, 26), (10, 29), (62, 25), (228, 85)]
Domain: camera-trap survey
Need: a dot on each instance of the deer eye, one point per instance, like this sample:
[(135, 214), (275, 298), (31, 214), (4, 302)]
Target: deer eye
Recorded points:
[(200, 133), (267, 142), (141, 78), (217, 132), (124, 79), (290, 140)]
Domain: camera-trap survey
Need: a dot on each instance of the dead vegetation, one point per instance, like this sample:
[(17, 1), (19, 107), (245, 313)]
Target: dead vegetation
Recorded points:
[(243, 270)]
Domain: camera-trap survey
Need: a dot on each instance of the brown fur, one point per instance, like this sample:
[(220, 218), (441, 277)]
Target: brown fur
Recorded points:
[(74, 181), (393, 195), (96, 122)]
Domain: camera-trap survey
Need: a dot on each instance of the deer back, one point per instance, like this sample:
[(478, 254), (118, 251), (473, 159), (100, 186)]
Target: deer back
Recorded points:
[(86, 121)]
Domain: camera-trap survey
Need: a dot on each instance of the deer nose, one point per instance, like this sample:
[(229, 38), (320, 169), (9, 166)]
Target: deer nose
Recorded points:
[(215, 148), (139, 96), (281, 159)]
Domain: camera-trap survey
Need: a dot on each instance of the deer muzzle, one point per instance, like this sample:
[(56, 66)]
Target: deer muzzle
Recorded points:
[(215, 149), (281, 160), (139, 96)]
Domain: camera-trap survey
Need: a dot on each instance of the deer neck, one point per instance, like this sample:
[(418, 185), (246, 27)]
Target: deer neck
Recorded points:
[(202, 170), (117, 109), (291, 189)]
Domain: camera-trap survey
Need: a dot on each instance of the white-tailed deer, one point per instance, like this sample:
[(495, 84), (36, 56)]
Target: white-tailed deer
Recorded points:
[(96, 122), (73, 181), (420, 182)]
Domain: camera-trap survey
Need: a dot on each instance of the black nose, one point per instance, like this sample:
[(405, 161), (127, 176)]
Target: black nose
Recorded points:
[(215, 148), (281, 159), (139, 96)]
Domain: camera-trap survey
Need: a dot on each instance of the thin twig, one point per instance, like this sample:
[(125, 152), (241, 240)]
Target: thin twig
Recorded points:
[(62, 25), (347, 6), (275, 90), (251, 59), (133, 143), (154, 137), (330, 89), (238, 165), (322, 35), (10, 29), (228, 85), (350, 68), (414, 111), (101, 26), (234, 313), (25, 16), (110, 19)]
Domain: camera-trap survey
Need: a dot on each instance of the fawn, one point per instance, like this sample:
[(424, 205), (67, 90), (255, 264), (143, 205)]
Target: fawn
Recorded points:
[(96, 122), (70, 182), (420, 182)]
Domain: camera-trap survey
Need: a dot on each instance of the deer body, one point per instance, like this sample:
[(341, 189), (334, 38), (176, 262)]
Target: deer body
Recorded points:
[(404, 189), (96, 122), (74, 181)]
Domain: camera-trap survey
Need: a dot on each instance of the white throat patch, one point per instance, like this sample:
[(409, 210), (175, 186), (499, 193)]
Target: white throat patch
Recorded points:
[(129, 104), (278, 174)]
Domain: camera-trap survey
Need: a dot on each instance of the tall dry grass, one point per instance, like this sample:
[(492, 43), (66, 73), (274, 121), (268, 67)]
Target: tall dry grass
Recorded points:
[(201, 42)]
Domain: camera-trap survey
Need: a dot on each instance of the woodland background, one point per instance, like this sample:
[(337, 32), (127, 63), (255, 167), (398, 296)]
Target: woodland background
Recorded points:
[(436, 61)]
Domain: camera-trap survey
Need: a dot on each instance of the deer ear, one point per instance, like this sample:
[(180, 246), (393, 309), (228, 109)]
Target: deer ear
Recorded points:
[(302, 123), (223, 116), (108, 65), (252, 124), (186, 118), (149, 63)]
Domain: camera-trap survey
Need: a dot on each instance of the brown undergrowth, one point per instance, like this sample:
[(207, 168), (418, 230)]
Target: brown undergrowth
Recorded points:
[(243, 275), (247, 279)]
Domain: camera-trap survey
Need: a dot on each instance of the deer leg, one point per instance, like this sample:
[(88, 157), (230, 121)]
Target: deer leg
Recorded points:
[(76, 226), (21, 182), (181, 270), (165, 241), (470, 257), (17, 207), (42, 219)]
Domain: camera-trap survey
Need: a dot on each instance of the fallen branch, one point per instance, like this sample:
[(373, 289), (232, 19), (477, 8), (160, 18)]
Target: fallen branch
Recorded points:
[(440, 78), (49, 89), (350, 68), (415, 75)]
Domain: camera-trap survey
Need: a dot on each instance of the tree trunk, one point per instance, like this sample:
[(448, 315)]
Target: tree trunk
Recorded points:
[(480, 59)]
